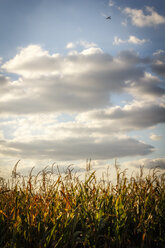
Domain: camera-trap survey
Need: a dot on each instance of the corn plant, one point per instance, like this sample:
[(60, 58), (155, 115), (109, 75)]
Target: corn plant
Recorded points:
[(50, 210)]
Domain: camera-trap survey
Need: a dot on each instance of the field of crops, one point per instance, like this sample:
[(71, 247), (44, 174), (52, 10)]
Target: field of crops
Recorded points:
[(63, 211)]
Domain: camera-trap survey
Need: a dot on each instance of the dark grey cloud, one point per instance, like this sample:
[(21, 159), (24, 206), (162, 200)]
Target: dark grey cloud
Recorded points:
[(132, 57), (158, 64), (131, 117), (146, 87), (3, 80), (158, 163), (53, 97), (159, 69), (76, 148), (4, 84), (152, 163)]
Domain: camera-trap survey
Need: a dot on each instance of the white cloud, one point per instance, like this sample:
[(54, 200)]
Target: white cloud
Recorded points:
[(155, 137), (139, 19), (135, 40), (118, 41), (86, 44), (132, 39), (70, 45), (92, 50), (79, 82), (82, 43), (79, 86), (31, 61)]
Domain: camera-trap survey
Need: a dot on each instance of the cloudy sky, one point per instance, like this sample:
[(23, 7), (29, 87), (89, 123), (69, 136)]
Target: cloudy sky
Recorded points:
[(75, 85)]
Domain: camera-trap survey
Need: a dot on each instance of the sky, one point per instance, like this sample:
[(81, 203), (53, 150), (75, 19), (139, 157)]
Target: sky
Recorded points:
[(76, 86)]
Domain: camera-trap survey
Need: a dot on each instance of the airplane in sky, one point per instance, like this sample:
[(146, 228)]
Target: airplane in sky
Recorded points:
[(107, 17)]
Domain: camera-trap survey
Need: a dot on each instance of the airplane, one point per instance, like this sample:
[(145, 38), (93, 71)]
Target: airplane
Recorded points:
[(107, 17)]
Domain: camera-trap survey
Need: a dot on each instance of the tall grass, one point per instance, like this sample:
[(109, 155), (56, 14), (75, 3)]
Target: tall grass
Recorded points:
[(42, 211)]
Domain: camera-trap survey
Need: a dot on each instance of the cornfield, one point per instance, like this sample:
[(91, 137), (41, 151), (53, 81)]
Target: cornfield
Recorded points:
[(47, 211)]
